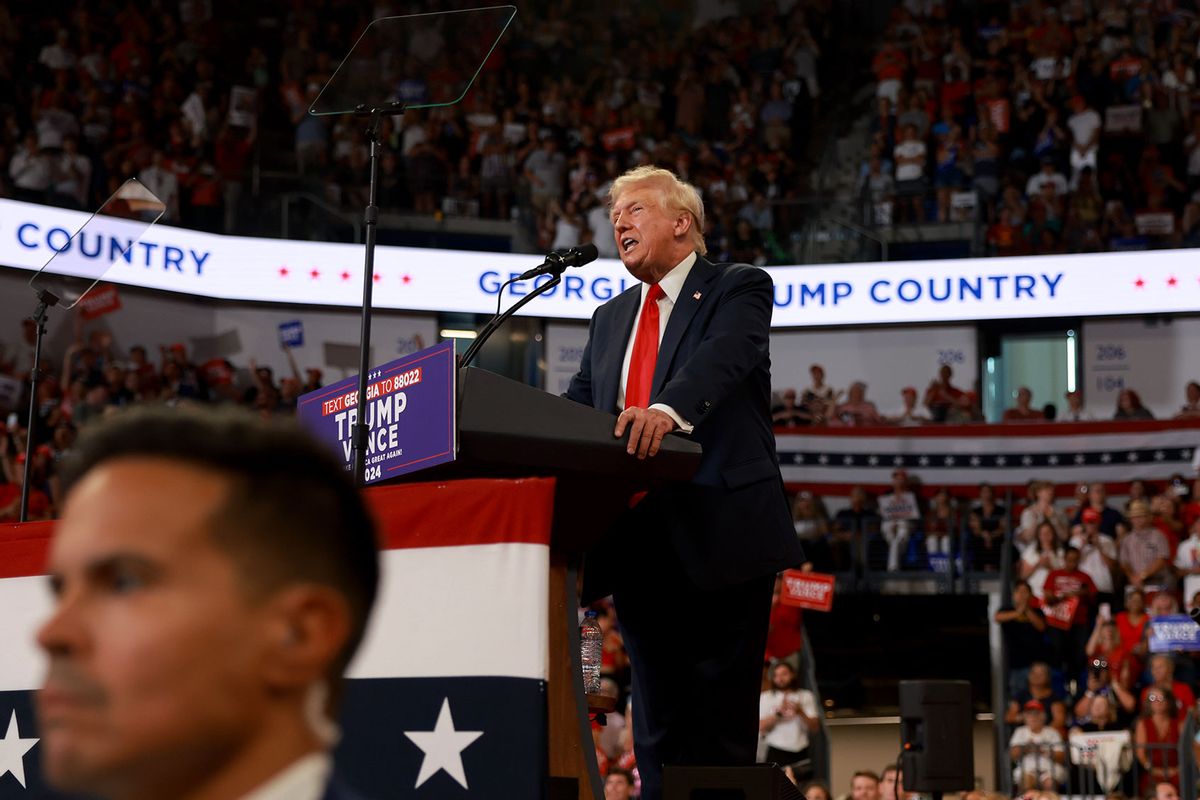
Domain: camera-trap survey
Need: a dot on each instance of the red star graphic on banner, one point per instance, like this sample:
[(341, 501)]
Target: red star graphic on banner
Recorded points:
[(377, 277), (1139, 283), (345, 275), (316, 273), (283, 272), (1172, 282), (406, 279)]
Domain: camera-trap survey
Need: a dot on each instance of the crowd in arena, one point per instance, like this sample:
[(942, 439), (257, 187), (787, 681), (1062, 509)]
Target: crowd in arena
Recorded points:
[(728, 103), (1067, 126), (1090, 577), (95, 379), (819, 404)]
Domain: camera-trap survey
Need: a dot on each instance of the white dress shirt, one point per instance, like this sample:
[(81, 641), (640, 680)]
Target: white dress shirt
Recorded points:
[(672, 285), (305, 779)]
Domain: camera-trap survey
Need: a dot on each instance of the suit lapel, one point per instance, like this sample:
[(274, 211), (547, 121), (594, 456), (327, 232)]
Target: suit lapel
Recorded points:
[(690, 298), (608, 371)]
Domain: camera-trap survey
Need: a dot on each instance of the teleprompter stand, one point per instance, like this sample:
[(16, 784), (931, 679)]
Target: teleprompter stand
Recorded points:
[(401, 64), (70, 274)]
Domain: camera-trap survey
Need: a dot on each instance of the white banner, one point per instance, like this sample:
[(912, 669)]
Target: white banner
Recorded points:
[(315, 273), (1156, 358), (887, 359), (564, 351)]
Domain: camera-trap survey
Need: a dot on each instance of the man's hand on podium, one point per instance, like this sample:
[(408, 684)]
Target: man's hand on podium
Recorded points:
[(647, 427)]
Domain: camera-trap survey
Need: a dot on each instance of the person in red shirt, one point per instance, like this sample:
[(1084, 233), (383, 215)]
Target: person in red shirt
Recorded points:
[(1162, 672), (40, 507), (1063, 588), (941, 395), (1022, 412), (785, 634), (889, 66)]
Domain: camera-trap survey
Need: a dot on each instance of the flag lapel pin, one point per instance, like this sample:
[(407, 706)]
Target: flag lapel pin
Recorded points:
[(696, 296)]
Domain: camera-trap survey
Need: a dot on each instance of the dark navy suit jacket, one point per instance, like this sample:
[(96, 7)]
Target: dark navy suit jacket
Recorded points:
[(732, 523)]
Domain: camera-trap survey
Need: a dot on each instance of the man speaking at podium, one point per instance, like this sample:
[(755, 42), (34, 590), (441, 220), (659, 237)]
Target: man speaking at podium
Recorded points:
[(691, 567)]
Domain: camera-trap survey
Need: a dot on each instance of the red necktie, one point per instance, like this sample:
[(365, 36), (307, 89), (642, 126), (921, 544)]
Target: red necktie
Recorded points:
[(645, 352)]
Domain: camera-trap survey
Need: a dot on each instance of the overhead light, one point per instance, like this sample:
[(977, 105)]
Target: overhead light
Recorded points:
[(456, 333)]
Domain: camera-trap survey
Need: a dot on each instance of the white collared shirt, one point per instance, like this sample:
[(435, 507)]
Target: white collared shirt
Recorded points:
[(672, 285), (305, 779)]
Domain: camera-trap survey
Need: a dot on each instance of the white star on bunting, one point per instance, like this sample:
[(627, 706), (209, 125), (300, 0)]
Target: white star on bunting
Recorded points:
[(443, 748), (13, 749)]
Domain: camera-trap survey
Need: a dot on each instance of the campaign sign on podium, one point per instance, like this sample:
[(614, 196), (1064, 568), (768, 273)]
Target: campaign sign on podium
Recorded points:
[(410, 414)]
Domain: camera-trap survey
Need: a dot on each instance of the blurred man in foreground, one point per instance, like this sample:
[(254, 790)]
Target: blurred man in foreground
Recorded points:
[(213, 576)]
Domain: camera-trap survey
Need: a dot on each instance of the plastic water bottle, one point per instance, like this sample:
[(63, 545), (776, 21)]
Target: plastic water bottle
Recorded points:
[(591, 651)]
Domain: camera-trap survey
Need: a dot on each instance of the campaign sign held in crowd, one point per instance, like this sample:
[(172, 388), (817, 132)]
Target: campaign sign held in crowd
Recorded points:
[(1174, 632), (291, 333), (101, 300), (810, 590), (410, 414)]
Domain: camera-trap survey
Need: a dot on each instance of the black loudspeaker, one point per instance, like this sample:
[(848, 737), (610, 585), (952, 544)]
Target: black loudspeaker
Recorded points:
[(759, 782), (936, 736)]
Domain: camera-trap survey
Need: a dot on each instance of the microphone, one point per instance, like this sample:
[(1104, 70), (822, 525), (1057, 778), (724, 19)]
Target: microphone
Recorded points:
[(559, 260)]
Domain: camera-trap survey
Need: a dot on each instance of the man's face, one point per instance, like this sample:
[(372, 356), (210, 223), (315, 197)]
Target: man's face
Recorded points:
[(645, 232), (1162, 670), (863, 788), (1097, 494), (887, 785), (1071, 560), (1165, 791), (781, 677), (1039, 675), (153, 647), (1036, 720), (617, 787), (945, 373)]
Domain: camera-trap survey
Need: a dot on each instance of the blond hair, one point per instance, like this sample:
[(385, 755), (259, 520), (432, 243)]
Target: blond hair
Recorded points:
[(676, 196)]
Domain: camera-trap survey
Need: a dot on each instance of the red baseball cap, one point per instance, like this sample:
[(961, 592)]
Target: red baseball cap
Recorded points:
[(1090, 515), (1034, 705)]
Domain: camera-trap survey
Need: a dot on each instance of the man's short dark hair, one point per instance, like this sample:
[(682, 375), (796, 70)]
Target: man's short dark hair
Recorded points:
[(292, 513), (624, 773), (864, 773)]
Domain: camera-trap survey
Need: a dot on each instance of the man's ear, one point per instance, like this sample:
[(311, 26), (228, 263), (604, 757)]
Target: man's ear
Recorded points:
[(683, 224), (306, 627)]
